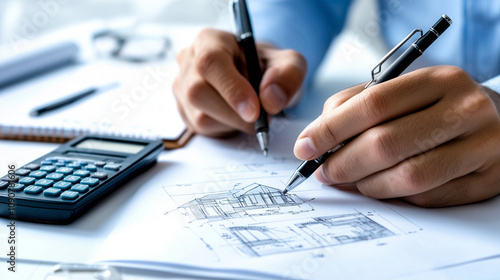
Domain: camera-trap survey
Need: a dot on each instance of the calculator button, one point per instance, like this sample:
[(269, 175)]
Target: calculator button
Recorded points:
[(10, 178), (32, 166), (91, 168), (60, 164), (17, 187), (89, 181), (74, 165), (83, 162), (55, 176), (72, 179), (100, 175), (3, 185), (80, 188), (38, 174), (44, 183), (62, 185), (64, 170), (81, 173), (52, 192), (111, 166), (99, 163), (33, 190), (48, 168), (65, 160), (23, 172), (46, 162), (27, 180), (69, 195)]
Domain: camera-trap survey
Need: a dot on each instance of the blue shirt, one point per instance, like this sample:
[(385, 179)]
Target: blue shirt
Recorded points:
[(309, 26)]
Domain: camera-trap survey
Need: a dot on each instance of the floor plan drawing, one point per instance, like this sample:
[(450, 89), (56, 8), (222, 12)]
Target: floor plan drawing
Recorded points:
[(313, 233)]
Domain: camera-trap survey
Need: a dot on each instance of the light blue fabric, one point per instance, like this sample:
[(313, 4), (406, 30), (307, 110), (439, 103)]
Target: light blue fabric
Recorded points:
[(309, 26)]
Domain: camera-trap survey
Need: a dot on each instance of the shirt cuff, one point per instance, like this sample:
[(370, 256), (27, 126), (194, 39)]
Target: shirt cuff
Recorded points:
[(493, 83)]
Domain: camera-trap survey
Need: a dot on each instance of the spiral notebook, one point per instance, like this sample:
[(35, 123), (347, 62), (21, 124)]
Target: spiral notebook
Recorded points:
[(141, 106)]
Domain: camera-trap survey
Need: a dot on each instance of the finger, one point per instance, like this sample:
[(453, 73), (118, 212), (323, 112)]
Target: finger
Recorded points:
[(385, 145), (215, 55), (206, 108), (427, 171), (341, 97), (471, 188), (377, 104), (285, 71)]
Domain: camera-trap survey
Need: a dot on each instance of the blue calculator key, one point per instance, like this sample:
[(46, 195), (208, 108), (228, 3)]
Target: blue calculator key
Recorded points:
[(52, 192), (74, 165), (45, 183), (69, 195), (10, 178), (52, 159), (55, 176), (100, 175), (89, 181), (18, 187), (48, 168), (72, 179), (64, 170), (23, 172), (99, 163), (27, 180), (33, 190), (38, 174), (91, 168), (62, 185), (83, 162), (60, 164), (4, 185), (32, 166), (81, 173), (80, 188), (65, 160), (46, 162), (112, 166)]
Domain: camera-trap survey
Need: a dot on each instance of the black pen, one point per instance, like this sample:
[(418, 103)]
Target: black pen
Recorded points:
[(70, 99), (244, 35), (395, 69)]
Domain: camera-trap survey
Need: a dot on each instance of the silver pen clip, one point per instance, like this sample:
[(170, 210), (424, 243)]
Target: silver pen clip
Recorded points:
[(378, 68)]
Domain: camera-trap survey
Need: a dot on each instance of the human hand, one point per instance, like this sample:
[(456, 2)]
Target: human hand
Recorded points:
[(213, 94), (431, 137)]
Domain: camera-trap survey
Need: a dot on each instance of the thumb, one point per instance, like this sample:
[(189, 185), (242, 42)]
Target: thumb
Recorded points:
[(284, 72)]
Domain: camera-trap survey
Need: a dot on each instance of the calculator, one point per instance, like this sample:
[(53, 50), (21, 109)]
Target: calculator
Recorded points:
[(60, 186)]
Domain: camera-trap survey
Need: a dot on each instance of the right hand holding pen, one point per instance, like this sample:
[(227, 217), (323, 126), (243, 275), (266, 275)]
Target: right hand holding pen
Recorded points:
[(213, 94)]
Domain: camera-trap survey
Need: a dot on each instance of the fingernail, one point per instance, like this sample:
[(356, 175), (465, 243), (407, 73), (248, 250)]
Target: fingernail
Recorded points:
[(246, 111), (277, 96), (304, 148)]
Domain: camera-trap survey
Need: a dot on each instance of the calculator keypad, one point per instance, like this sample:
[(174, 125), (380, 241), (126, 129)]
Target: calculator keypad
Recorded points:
[(60, 177)]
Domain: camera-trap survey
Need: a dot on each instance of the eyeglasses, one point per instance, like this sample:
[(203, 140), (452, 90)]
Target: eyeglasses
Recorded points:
[(131, 47)]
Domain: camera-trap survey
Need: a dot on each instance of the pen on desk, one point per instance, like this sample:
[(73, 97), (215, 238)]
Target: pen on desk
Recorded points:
[(70, 99), (244, 35), (307, 168)]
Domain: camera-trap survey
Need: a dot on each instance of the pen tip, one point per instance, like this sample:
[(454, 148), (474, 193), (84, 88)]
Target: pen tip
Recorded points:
[(285, 191), (265, 152)]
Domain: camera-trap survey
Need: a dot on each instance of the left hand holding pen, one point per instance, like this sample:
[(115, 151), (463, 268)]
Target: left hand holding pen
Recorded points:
[(431, 137)]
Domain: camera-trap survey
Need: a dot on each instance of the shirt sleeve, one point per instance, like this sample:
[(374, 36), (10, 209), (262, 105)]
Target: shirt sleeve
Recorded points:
[(493, 83), (305, 26)]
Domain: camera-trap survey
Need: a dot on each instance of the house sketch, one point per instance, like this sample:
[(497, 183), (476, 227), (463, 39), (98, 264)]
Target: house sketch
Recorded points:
[(252, 200)]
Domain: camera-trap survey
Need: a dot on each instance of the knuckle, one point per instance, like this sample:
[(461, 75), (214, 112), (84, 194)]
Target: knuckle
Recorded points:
[(383, 144), (374, 105), (451, 75), (195, 91), (206, 59), (202, 123), (412, 177), (337, 173), (422, 200)]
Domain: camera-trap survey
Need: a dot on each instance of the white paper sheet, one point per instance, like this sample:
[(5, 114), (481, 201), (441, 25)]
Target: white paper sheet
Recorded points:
[(214, 209)]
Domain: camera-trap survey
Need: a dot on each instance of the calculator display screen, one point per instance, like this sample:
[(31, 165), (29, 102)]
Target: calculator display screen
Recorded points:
[(106, 145)]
